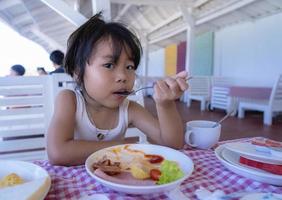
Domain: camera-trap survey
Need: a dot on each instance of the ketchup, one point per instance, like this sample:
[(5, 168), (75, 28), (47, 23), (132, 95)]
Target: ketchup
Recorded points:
[(154, 158)]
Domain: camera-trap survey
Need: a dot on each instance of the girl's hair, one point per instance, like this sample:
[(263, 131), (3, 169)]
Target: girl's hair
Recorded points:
[(81, 44)]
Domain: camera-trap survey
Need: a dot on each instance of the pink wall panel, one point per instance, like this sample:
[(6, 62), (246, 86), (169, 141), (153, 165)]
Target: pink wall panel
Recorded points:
[(181, 55)]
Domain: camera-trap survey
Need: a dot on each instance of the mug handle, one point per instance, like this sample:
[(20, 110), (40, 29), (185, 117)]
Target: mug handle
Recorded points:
[(187, 138)]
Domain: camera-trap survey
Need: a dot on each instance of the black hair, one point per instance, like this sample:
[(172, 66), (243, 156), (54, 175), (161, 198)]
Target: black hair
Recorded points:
[(82, 43), (19, 69), (57, 57)]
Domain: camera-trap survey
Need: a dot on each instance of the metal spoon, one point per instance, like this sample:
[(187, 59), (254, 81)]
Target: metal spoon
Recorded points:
[(223, 118), (133, 92)]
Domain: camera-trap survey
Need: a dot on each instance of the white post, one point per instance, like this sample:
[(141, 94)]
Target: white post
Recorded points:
[(63, 9), (190, 38), (189, 49), (104, 6), (50, 88), (76, 5), (145, 59)]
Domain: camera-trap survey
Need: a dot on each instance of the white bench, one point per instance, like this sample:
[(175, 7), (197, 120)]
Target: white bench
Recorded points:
[(24, 117)]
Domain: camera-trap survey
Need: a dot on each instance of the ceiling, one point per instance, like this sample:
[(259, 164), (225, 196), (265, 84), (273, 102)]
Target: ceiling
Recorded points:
[(159, 22)]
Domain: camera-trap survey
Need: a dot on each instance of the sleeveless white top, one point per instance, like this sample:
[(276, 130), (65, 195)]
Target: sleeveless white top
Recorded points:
[(85, 130)]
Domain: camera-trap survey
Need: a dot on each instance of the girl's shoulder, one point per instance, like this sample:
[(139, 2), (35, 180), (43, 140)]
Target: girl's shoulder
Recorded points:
[(66, 102), (66, 95)]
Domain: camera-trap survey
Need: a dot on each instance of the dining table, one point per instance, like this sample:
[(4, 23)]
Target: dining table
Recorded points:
[(261, 93), (236, 93), (74, 182)]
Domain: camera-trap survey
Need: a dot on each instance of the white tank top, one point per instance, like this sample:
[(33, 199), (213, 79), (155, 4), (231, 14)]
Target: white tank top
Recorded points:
[(85, 130)]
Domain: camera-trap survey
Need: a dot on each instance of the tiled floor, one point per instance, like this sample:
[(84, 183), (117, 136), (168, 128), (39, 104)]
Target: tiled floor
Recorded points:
[(232, 128)]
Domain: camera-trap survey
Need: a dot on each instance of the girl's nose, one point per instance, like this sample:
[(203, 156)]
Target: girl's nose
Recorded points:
[(121, 75)]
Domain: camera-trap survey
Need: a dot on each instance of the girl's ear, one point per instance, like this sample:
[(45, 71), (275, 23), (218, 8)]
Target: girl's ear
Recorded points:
[(75, 74), (87, 63)]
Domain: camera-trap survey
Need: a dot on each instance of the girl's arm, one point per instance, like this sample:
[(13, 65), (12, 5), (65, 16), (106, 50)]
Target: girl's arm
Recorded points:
[(168, 129), (61, 147)]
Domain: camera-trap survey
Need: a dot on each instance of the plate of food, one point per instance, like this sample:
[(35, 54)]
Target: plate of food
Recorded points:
[(23, 180), (231, 160), (254, 152), (139, 168)]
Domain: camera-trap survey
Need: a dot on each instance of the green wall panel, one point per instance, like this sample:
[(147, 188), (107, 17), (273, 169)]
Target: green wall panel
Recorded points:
[(203, 55)]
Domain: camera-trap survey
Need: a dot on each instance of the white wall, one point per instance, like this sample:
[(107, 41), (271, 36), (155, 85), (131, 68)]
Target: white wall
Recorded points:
[(156, 64), (250, 52)]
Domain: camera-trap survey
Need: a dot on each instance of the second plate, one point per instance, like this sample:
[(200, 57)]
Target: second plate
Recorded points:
[(231, 161)]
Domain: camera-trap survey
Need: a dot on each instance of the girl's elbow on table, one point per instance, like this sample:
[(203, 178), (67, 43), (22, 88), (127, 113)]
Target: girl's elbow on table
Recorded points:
[(56, 157)]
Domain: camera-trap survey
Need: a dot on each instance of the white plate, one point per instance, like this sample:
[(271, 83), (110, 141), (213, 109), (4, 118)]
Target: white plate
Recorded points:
[(230, 160), (185, 163), (36, 184), (262, 196), (249, 150)]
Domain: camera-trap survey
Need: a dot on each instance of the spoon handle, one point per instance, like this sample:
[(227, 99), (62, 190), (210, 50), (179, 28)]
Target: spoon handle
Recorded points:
[(222, 119), (227, 115), (149, 87)]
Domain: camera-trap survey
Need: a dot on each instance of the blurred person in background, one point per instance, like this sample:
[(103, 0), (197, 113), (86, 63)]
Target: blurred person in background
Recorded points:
[(57, 58), (41, 71), (17, 70)]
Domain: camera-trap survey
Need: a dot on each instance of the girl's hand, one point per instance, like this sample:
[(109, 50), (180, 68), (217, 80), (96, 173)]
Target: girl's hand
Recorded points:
[(171, 88)]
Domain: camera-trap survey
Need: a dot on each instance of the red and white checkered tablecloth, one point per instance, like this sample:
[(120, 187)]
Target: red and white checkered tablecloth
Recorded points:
[(74, 182)]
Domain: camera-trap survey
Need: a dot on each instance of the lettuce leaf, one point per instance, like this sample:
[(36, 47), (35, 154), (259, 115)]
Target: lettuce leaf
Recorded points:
[(170, 172)]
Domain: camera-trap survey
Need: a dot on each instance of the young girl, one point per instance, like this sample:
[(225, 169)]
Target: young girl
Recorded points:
[(102, 57)]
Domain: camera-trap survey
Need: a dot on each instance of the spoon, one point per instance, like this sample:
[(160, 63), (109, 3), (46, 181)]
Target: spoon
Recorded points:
[(223, 118), (133, 92)]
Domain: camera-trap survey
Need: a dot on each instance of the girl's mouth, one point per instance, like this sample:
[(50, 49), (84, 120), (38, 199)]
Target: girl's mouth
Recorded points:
[(123, 93)]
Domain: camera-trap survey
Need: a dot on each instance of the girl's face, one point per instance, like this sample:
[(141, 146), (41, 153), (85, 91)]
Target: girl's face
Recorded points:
[(103, 77)]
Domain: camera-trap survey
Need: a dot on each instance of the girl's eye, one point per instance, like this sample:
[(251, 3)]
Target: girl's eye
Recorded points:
[(109, 65), (130, 67)]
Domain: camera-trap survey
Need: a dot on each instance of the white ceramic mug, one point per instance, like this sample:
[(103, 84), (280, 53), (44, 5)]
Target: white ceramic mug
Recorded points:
[(201, 134)]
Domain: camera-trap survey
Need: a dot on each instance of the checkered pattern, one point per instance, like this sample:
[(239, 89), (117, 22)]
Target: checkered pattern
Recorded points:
[(74, 182)]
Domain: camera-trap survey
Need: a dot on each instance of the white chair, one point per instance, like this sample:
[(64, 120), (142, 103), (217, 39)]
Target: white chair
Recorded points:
[(135, 132), (61, 81), (24, 117), (220, 93), (274, 104), (199, 90)]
